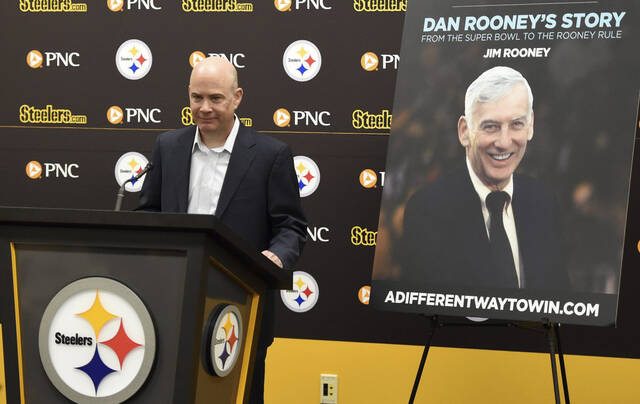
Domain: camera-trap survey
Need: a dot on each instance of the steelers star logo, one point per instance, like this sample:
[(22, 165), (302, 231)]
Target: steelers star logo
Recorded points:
[(308, 175), (134, 59), (224, 339), (97, 341), (304, 295), (128, 166), (302, 60)]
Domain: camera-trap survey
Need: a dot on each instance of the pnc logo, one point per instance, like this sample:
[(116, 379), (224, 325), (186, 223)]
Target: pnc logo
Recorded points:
[(34, 170), (36, 59), (285, 5), (236, 59), (364, 294), (281, 117), (369, 61), (118, 5), (318, 234), (369, 178), (115, 115)]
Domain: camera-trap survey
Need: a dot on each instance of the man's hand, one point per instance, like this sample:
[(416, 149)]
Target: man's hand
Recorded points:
[(272, 257)]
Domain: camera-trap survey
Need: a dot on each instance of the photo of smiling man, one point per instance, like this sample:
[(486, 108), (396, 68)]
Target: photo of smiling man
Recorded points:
[(483, 225)]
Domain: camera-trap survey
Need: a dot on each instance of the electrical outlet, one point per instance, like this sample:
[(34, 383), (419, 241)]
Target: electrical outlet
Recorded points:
[(328, 389)]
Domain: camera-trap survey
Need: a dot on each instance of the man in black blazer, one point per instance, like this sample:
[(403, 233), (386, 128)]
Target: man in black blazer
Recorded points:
[(245, 178), (482, 225)]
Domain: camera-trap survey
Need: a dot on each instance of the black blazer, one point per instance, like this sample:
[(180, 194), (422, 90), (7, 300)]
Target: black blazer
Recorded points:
[(259, 199), (445, 240)]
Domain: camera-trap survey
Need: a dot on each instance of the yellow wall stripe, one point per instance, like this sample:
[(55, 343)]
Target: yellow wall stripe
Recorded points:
[(384, 373), (251, 326), (17, 307)]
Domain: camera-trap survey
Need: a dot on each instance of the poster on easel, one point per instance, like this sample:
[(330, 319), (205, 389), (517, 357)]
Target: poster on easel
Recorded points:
[(509, 161)]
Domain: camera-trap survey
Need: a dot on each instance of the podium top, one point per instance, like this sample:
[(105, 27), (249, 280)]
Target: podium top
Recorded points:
[(139, 220)]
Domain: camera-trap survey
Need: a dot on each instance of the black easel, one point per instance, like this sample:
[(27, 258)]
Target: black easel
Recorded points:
[(550, 329)]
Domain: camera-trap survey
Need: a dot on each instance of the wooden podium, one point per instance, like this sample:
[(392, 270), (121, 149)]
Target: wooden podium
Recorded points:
[(181, 270)]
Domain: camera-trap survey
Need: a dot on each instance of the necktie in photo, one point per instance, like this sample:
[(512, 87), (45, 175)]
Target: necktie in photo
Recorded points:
[(501, 254)]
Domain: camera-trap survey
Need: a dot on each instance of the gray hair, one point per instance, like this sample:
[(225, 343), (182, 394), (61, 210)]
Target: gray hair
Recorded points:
[(493, 84)]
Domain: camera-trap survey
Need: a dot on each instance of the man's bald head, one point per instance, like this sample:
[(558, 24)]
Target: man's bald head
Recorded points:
[(216, 66)]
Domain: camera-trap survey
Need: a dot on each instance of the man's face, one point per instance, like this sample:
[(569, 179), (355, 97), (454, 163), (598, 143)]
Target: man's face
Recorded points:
[(498, 139), (213, 101)]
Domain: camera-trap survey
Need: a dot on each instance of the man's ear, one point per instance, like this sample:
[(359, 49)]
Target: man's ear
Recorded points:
[(530, 127), (464, 134), (237, 96)]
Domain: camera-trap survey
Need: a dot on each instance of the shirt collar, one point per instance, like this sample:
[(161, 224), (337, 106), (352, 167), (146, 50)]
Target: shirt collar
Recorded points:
[(198, 144), (482, 190)]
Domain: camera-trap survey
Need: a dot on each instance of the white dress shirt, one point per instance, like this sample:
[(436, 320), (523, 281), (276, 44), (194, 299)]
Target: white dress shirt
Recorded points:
[(208, 168), (507, 216)]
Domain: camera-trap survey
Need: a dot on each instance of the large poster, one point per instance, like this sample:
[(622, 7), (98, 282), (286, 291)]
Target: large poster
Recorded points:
[(508, 167)]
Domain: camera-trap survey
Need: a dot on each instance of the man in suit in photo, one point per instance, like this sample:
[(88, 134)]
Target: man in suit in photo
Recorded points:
[(484, 226), (245, 178)]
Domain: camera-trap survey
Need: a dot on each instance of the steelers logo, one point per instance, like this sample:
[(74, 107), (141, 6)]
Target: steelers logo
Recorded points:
[(369, 61), (196, 57), (97, 341), (302, 60), (115, 114), (308, 175), (34, 170), (368, 178), (134, 59), (304, 295), (281, 117), (34, 59), (223, 340), (128, 166)]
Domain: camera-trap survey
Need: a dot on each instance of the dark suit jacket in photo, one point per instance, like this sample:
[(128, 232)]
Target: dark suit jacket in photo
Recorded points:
[(259, 199), (445, 240)]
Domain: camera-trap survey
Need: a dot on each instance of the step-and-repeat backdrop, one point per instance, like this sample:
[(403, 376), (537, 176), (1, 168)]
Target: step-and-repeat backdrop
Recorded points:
[(88, 85)]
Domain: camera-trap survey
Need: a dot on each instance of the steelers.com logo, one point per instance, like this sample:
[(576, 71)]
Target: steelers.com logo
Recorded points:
[(224, 339), (302, 60), (128, 166), (133, 59), (308, 175), (97, 341), (304, 294)]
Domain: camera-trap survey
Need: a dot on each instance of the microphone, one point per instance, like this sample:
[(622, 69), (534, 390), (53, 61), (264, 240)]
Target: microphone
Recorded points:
[(132, 179)]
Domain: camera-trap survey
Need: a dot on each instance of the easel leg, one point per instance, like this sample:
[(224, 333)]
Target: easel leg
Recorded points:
[(416, 383), (552, 353), (563, 371)]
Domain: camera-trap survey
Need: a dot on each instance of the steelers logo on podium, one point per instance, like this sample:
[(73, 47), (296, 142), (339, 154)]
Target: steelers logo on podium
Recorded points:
[(97, 341), (223, 340)]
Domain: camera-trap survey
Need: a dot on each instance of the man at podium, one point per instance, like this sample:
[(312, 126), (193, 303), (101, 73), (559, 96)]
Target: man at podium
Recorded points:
[(245, 178)]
